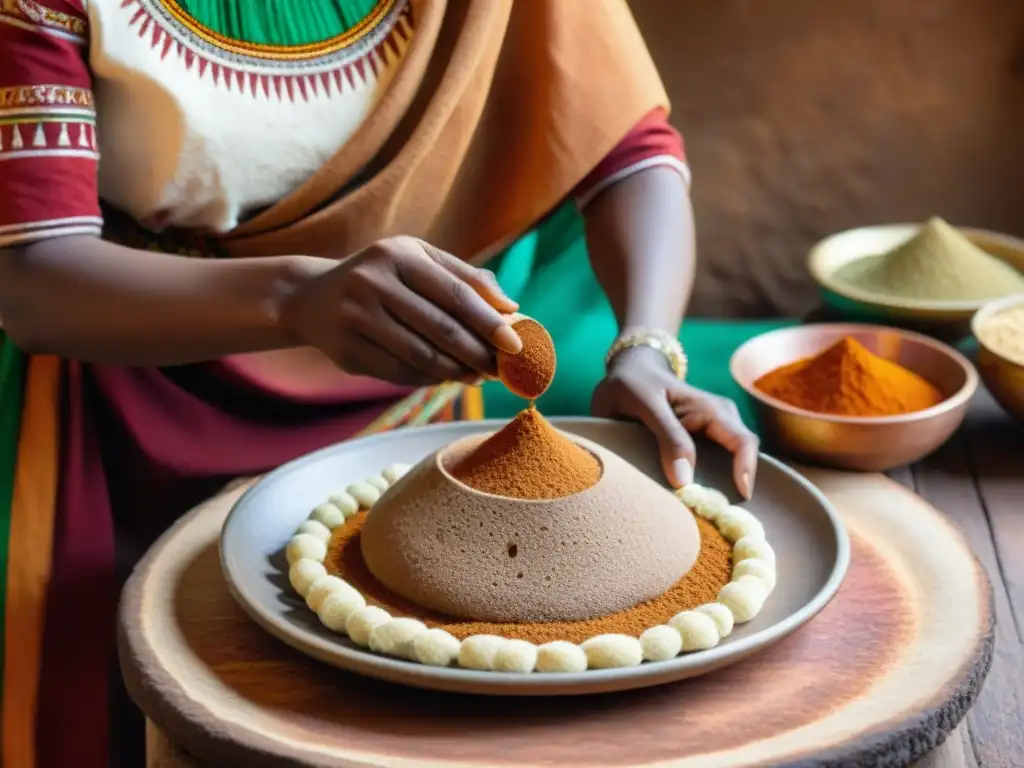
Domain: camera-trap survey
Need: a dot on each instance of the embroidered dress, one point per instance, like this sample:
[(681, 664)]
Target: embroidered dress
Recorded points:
[(242, 127)]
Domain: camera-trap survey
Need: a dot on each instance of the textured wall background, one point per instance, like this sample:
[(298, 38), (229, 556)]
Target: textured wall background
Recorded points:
[(805, 117)]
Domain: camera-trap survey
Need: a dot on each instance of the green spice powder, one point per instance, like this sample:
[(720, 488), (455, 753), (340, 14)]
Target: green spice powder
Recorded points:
[(938, 264)]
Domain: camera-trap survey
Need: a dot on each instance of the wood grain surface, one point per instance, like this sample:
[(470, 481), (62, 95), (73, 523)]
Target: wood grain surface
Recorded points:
[(880, 677)]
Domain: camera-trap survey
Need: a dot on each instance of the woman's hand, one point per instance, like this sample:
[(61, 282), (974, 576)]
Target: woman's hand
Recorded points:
[(403, 311), (640, 386)]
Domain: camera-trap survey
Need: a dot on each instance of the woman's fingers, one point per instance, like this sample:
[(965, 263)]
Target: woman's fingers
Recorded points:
[(441, 331), (438, 278), (482, 281), (678, 453), (720, 421), (364, 357)]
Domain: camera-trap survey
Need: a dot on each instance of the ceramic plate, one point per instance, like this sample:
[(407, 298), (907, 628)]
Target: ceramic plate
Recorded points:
[(811, 544)]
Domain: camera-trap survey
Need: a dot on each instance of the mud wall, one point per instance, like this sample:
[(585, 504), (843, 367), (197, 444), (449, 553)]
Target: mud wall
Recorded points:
[(804, 117)]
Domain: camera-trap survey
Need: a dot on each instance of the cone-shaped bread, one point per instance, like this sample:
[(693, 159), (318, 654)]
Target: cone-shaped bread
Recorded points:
[(479, 556)]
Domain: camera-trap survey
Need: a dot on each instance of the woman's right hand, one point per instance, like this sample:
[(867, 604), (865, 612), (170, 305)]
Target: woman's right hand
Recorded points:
[(405, 312)]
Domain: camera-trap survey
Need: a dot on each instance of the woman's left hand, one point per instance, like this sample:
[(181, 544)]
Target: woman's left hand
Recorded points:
[(641, 387)]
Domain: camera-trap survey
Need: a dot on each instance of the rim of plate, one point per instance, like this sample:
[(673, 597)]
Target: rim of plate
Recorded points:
[(306, 641)]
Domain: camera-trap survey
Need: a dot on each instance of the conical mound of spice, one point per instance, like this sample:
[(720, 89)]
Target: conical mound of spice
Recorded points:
[(938, 264), (528, 459), (529, 373), (848, 380)]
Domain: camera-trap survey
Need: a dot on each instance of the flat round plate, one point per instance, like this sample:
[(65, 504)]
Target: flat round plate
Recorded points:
[(803, 528)]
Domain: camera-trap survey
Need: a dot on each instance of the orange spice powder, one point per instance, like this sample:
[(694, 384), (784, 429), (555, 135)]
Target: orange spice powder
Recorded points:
[(528, 459), (529, 373), (700, 585), (848, 380)]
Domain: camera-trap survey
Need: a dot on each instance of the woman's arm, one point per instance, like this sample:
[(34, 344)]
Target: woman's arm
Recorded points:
[(81, 297), (641, 240), (640, 235)]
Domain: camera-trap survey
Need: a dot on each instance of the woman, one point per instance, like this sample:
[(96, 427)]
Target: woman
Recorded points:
[(348, 166)]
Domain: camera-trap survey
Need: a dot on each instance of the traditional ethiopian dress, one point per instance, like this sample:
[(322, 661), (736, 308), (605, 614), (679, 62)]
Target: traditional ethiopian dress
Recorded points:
[(260, 127)]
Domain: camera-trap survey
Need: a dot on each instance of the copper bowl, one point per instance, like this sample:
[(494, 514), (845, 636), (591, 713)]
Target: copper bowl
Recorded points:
[(871, 444), (949, 320), (1003, 377)]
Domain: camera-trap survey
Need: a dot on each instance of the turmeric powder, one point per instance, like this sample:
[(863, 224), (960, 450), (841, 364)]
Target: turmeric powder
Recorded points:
[(848, 380)]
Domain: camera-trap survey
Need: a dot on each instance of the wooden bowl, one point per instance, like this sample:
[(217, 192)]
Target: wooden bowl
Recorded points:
[(1003, 377), (857, 443), (948, 320)]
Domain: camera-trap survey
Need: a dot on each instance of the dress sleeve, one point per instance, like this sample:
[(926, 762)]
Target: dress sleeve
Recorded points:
[(652, 142), (48, 150)]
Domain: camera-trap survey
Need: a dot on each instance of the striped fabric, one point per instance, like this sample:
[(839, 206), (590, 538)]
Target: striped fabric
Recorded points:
[(32, 397)]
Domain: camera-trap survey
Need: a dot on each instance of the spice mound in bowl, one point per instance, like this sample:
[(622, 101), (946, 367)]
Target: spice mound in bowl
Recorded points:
[(528, 524), (930, 277), (854, 397), (999, 327), (529, 459), (936, 264), (847, 380)]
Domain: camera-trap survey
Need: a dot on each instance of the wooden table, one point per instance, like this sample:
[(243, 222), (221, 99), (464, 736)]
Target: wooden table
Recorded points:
[(978, 480)]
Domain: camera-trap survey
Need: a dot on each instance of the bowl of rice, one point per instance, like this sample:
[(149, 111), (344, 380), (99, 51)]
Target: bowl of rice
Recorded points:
[(999, 328), (929, 277)]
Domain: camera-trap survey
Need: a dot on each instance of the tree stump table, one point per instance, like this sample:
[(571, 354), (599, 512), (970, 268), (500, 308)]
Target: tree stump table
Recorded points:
[(880, 678)]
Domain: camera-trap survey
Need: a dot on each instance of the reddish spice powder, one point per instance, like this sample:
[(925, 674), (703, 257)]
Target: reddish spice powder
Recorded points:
[(700, 585), (848, 380), (529, 373), (528, 459)]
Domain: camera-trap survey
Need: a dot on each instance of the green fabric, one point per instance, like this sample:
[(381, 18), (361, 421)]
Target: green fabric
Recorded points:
[(548, 273), (279, 22), (12, 373)]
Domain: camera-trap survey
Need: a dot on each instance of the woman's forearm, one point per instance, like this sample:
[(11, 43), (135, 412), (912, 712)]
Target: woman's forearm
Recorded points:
[(84, 298), (640, 236)]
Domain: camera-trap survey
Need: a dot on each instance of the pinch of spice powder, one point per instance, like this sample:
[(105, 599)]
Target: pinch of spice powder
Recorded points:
[(699, 585)]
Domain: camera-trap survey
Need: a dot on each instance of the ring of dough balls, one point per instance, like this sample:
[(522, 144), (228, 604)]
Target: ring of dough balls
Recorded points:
[(342, 609)]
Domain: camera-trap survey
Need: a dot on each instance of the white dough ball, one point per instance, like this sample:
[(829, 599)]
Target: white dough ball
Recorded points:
[(436, 648), (612, 650), (315, 528), (711, 503), (757, 569), (303, 573), (697, 630), (322, 587), (395, 637), (736, 523), (338, 606), (328, 514), (480, 652), (744, 597), (346, 502), (516, 656), (361, 621), (305, 546), (561, 656), (719, 614), (692, 495), (749, 547), (660, 643), (395, 472), (365, 494), (378, 482)]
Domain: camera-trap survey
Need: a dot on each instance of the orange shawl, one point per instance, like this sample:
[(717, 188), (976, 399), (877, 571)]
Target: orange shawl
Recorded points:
[(497, 112)]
